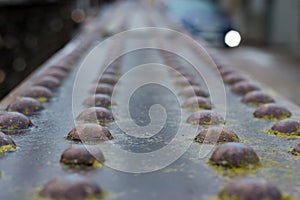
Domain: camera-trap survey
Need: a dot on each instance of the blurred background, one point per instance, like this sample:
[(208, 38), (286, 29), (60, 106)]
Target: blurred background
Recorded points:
[(261, 37), (258, 37)]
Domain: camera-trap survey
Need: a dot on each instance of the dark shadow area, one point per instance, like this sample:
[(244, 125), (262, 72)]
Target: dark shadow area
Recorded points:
[(29, 34), (31, 31)]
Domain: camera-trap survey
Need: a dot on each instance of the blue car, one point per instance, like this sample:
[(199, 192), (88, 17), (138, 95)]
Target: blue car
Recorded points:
[(202, 18)]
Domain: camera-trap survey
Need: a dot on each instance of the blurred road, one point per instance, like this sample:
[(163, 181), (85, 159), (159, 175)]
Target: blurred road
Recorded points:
[(278, 70)]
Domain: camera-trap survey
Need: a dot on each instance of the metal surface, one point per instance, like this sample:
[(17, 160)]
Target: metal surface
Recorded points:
[(40, 147)]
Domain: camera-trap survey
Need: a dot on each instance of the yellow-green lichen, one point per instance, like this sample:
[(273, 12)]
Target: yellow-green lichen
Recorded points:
[(295, 134), (42, 99), (39, 197), (34, 194), (87, 198), (103, 122), (13, 127), (232, 171), (233, 139), (292, 151), (26, 111), (287, 197), (202, 123), (255, 104), (216, 140), (6, 148), (226, 197), (273, 118), (75, 163), (198, 107)]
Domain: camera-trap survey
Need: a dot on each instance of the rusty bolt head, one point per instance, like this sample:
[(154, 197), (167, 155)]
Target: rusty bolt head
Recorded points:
[(98, 115), (57, 73), (166, 54), (205, 117), (71, 187), (186, 81), (220, 64), (6, 143), (82, 155), (13, 121), (272, 111), (243, 87), (250, 189), (103, 89), (196, 103), (108, 79), (67, 62), (224, 71), (111, 71), (190, 91), (178, 68), (69, 59), (233, 78), (286, 127), (89, 133), (216, 135), (115, 65), (25, 105), (233, 154), (257, 98), (65, 68), (180, 73), (49, 82), (39, 93), (101, 100), (172, 61)]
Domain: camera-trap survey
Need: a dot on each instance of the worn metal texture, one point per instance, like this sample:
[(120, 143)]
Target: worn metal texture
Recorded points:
[(36, 161)]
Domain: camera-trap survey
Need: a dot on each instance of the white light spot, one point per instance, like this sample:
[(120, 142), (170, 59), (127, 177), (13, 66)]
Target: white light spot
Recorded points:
[(233, 38)]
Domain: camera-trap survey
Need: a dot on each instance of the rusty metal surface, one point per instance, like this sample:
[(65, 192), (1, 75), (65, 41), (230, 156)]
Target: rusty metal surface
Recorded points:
[(40, 147)]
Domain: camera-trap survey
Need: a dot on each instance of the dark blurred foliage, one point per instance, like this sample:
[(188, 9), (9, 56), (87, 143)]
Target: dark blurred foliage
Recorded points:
[(31, 31)]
